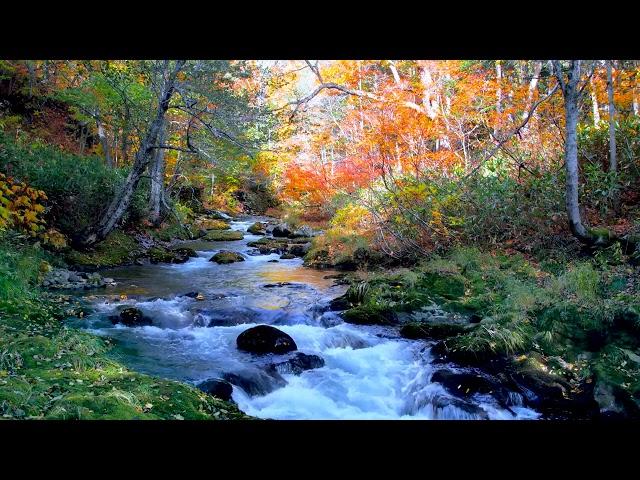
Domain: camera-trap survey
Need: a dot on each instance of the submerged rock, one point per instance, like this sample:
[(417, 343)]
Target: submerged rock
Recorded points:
[(442, 404), (131, 317), (284, 284), (217, 387), (256, 382), (298, 364), (226, 256), (464, 384), (265, 339)]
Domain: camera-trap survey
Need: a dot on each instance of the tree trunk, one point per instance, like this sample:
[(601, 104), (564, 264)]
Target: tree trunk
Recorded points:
[(613, 159), (105, 143), (571, 95), (125, 137), (122, 199), (156, 170), (594, 102), (496, 128), (533, 84)]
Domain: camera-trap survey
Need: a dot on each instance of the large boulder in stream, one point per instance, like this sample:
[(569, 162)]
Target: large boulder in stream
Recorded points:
[(131, 317), (257, 228), (217, 387), (265, 339), (226, 256), (223, 235), (281, 230)]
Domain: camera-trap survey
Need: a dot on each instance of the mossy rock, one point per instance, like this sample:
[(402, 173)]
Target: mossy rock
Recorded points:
[(451, 352), (117, 249), (185, 251), (225, 256), (369, 315), (601, 236), (448, 286), (223, 235), (257, 228), (160, 255), (213, 224), (269, 245), (433, 330)]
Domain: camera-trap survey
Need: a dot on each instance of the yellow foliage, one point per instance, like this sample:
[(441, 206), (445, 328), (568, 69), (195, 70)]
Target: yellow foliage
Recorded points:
[(20, 206)]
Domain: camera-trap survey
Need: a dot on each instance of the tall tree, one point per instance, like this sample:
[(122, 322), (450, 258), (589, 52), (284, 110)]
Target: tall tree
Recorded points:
[(572, 87), (156, 173), (613, 160), (168, 76)]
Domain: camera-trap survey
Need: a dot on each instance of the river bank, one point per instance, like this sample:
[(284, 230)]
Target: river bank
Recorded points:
[(455, 337)]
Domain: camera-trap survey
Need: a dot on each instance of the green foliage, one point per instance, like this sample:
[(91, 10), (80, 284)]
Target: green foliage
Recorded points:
[(78, 188), (20, 266)]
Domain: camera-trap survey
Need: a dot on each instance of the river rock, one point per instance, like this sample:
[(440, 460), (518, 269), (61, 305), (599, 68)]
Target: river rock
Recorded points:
[(256, 382), (468, 410), (369, 315), (223, 235), (217, 387), (185, 252), (287, 256), (131, 317), (226, 256), (284, 284), (257, 228), (299, 250), (462, 384), (281, 230), (304, 231), (340, 303), (298, 364), (265, 339), (60, 278)]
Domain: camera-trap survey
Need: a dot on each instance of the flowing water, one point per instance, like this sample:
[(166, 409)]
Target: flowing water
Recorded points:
[(370, 372)]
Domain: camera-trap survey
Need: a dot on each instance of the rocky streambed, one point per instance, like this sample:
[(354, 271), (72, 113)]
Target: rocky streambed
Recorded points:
[(271, 335)]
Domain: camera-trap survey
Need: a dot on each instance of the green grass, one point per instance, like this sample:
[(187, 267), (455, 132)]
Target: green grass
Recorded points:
[(49, 371)]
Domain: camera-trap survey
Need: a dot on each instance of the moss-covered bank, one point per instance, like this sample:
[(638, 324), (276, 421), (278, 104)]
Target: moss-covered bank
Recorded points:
[(579, 318)]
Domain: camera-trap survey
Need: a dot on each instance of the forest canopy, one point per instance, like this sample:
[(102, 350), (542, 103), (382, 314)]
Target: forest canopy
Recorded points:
[(492, 187)]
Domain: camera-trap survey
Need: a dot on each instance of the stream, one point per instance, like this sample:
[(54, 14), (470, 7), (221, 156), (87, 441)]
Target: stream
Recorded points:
[(369, 372)]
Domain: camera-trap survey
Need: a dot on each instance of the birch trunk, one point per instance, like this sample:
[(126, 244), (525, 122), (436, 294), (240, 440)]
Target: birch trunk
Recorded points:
[(613, 159), (594, 102), (571, 95), (496, 128)]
